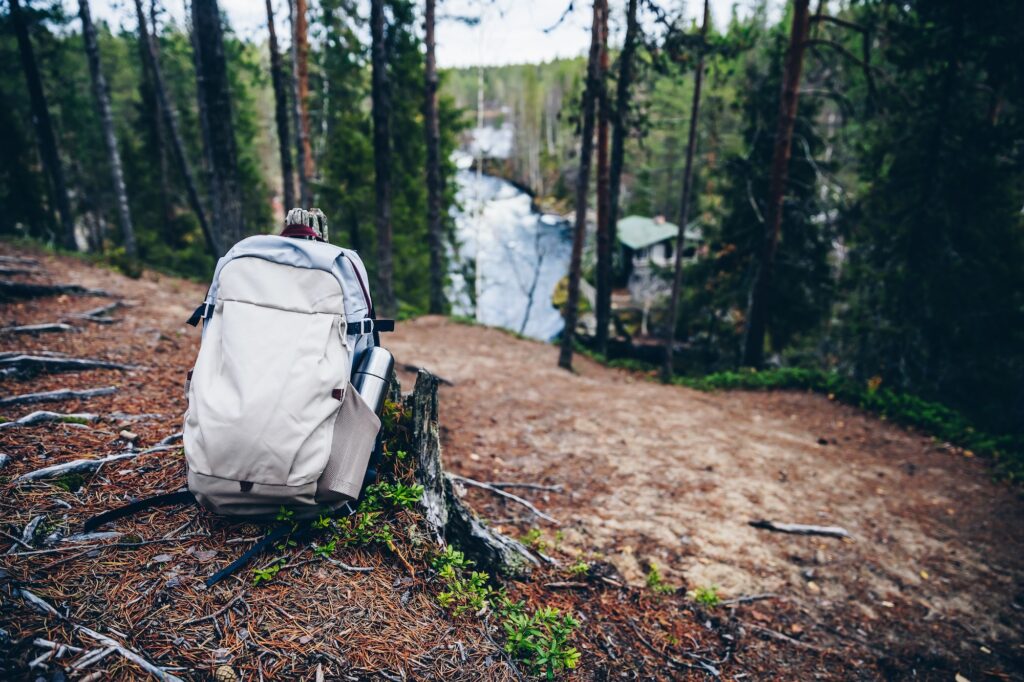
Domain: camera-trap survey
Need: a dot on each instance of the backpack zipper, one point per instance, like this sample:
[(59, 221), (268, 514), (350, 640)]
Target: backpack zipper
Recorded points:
[(359, 278)]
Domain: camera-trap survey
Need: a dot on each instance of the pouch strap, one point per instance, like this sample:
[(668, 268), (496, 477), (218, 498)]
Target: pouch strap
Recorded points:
[(369, 326), (165, 500), (204, 311)]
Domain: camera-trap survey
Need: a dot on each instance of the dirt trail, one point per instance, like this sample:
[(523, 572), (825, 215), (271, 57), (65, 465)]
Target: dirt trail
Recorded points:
[(934, 571)]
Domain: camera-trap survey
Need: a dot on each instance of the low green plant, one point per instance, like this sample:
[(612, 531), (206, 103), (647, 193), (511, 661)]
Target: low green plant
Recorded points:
[(579, 568), (534, 539), (268, 572), (450, 556), (325, 550), (541, 638), (707, 596), (400, 495), (656, 583), (70, 482)]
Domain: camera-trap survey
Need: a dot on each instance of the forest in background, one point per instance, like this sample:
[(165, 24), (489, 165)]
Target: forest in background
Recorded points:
[(902, 233), (901, 240)]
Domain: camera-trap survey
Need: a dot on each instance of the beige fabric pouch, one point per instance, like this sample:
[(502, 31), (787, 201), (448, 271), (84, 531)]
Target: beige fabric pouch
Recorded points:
[(355, 433)]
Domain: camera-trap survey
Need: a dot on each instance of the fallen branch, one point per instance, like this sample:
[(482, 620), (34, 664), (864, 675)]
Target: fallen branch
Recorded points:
[(19, 260), (566, 585), (216, 614), (38, 328), (447, 515), (45, 417), (28, 365), (45, 608), (416, 368), (498, 491), (747, 599), (800, 529), (56, 396), (10, 290), (87, 466), (783, 638), (99, 315), (526, 486), (7, 272)]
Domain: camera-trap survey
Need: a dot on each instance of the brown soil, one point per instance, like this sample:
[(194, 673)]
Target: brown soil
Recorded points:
[(931, 584)]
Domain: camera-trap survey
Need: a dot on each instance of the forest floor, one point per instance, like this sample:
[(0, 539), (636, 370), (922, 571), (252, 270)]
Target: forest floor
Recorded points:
[(930, 586)]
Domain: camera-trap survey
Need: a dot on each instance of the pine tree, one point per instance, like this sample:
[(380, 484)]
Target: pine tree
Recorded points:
[(45, 137), (214, 93), (281, 113), (381, 102), (435, 230)]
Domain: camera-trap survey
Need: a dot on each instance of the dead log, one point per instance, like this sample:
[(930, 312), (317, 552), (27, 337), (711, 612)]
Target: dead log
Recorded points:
[(12, 291), (8, 272), (800, 529), (451, 521), (88, 466), (29, 365), (38, 328), (100, 314), (56, 396), (45, 417), (18, 260)]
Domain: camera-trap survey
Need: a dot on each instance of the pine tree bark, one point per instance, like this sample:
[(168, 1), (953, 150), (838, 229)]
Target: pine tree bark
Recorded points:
[(684, 205), (300, 86), (604, 244), (619, 123), (102, 95), (760, 295), (435, 229), (281, 113), (170, 118), (590, 95), (156, 130), (43, 125), (214, 93), (381, 102)]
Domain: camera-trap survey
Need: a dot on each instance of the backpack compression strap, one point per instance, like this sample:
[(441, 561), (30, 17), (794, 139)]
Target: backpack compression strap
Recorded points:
[(370, 326), (165, 500)]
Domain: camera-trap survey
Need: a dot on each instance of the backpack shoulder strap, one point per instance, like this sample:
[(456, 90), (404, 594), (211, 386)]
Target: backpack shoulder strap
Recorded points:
[(165, 500)]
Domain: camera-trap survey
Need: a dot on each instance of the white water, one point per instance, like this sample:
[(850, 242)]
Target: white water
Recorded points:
[(514, 249)]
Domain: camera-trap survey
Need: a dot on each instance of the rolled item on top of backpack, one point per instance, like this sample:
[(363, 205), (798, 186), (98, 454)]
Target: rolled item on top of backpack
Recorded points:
[(372, 376)]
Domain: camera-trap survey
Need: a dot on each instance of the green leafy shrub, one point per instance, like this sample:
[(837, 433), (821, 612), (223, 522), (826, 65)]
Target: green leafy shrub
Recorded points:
[(656, 583), (707, 596), (541, 638)]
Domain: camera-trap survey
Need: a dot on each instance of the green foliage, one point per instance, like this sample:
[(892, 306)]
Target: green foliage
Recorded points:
[(70, 482), (707, 596), (541, 638), (534, 539), (579, 568), (268, 572), (656, 583), (452, 557), (900, 407)]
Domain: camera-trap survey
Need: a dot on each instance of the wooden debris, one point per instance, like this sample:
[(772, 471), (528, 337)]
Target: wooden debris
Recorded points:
[(11, 290), (100, 314), (502, 493), (415, 369), (87, 466), (8, 272), (526, 486), (27, 365), (46, 417), (45, 608), (48, 328), (800, 529), (18, 260), (56, 396), (449, 518)]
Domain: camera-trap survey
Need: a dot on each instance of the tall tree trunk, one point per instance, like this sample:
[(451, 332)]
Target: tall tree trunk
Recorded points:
[(99, 88), (284, 141), (170, 116), (604, 218), (156, 129), (760, 295), (684, 204), (44, 128), (620, 124), (214, 92), (381, 97), (590, 95), (434, 226), (300, 86)]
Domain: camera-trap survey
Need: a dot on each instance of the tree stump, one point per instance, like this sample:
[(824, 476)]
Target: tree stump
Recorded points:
[(447, 515)]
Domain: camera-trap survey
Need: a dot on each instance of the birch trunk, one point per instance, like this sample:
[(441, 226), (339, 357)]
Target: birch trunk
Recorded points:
[(102, 95)]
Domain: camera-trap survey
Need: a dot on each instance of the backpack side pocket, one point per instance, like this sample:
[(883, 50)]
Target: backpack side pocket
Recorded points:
[(354, 435)]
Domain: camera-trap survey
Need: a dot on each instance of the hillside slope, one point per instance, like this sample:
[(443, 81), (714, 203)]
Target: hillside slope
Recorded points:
[(930, 585)]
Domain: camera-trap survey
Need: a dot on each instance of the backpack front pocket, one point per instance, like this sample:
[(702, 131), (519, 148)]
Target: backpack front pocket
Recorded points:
[(261, 410)]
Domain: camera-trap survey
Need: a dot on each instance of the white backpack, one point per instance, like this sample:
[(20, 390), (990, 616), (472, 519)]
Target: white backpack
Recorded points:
[(272, 417)]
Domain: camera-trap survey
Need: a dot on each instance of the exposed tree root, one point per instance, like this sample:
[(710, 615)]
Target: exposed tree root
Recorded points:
[(56, 396), (11, 291)]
